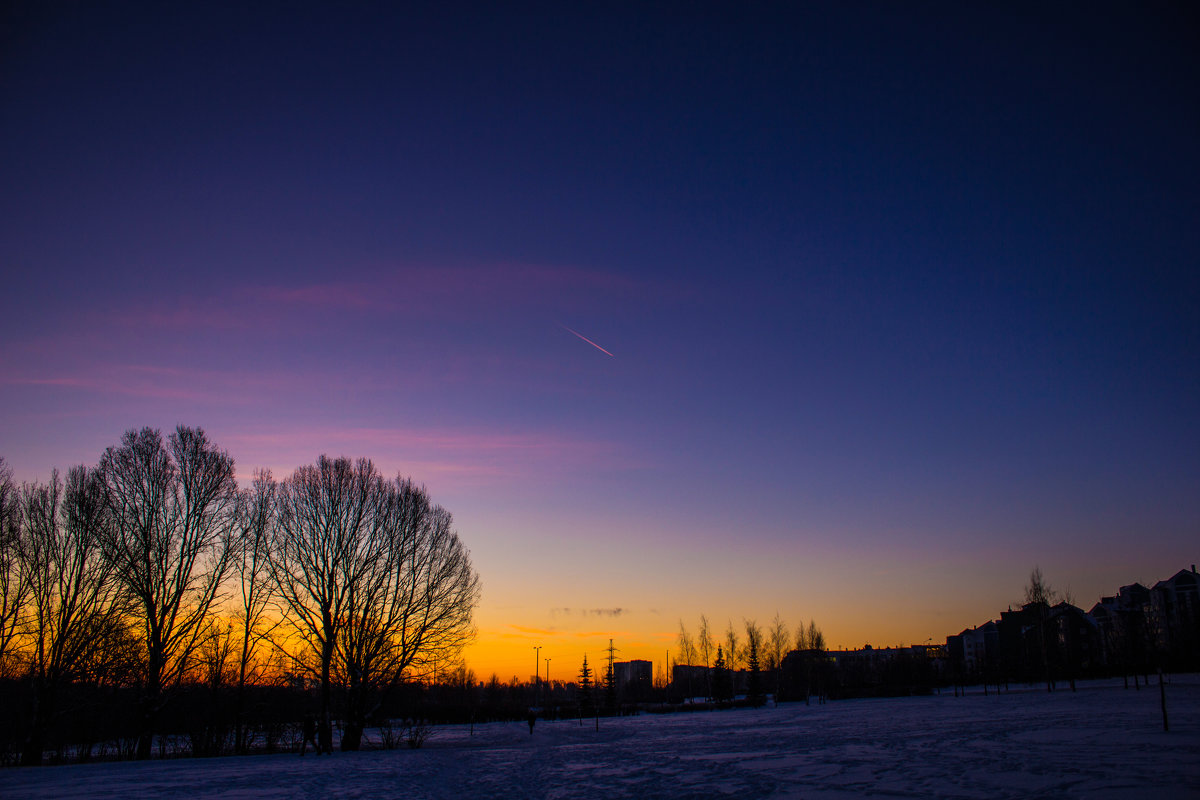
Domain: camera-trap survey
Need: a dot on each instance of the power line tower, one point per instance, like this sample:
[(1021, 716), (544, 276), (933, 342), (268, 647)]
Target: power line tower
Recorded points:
[(610, 681)]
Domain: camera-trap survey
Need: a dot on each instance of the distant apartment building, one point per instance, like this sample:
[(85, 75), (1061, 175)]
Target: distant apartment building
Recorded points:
[(633, 675), (690, 675), (1121, 620), (970, 650), (1136, 629), (1173, 619)]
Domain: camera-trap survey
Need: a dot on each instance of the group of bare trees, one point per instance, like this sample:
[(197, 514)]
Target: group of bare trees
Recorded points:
[(761, 654), (154, 569)]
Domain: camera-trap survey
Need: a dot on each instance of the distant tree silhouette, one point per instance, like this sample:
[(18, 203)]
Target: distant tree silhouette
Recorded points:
[(1040, 597), (172, 507), (779, 642), (493, 690), (810, 638), (733, 649), (687, 653), (214, 669), (706, 646)]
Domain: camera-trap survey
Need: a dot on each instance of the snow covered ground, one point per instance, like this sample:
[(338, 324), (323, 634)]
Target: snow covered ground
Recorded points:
[(1101, 742)]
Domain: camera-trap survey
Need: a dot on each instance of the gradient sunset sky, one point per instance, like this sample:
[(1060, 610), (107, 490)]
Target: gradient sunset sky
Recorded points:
[(845, 311)]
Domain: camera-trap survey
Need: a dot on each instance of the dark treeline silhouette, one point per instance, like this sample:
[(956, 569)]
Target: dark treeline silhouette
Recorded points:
[(745, 671), (149, 606)]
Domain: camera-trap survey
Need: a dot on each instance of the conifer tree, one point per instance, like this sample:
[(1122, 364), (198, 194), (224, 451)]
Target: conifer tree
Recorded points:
[(753, 645), (721, 680), (583, 692)]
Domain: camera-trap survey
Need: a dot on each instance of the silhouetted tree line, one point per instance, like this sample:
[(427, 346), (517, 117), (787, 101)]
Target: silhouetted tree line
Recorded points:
[(149, 606), (744, 671)]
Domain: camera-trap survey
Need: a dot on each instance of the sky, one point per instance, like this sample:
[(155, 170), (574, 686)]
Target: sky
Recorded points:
[(844, 312)]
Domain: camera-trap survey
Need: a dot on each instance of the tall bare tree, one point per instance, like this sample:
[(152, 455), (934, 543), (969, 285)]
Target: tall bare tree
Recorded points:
[(811, 640), (706, 647), (810, 637), (779, 642), (1038, 591), (325, 539), (687, 653), (76, 607), (174, 509), (733, 649), (251, 567), (374, 581), (409, 607), (1040, 596), (13, 578)]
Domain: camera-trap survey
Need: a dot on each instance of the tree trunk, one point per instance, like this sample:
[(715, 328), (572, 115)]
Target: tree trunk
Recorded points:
[(352, 735), (35, 743), (239, 728), (352, 728), (149, 706), (325, 725)]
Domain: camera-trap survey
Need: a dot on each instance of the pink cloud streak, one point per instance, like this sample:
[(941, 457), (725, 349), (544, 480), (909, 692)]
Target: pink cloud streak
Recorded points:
[(460, 457)]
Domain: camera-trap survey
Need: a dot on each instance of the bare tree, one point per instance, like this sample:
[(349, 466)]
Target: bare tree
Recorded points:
[(811, 640), (375, 583), (1039, 595), (816, 637), (687, 652), (76, 607), (706, 647), (409, 608), (1038, 591), (779, 642), (13, 578), (687, 644), (213, 666), (810, 637), (323, 541), (250, 565), (733, 650), (173, 507)]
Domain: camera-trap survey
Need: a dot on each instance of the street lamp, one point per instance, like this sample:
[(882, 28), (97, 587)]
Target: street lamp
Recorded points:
[(537, 651)]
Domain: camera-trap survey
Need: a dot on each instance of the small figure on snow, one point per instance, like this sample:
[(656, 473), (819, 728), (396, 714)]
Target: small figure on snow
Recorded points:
[(532, 719)]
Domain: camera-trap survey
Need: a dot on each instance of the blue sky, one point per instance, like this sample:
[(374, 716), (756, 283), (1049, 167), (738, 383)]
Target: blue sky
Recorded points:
[(904, 294)]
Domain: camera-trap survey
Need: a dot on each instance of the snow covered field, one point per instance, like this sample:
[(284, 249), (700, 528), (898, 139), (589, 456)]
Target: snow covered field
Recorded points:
[(1101, 742)]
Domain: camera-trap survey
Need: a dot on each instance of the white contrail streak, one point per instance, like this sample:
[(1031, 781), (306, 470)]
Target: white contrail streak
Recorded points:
[(589, 341)]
